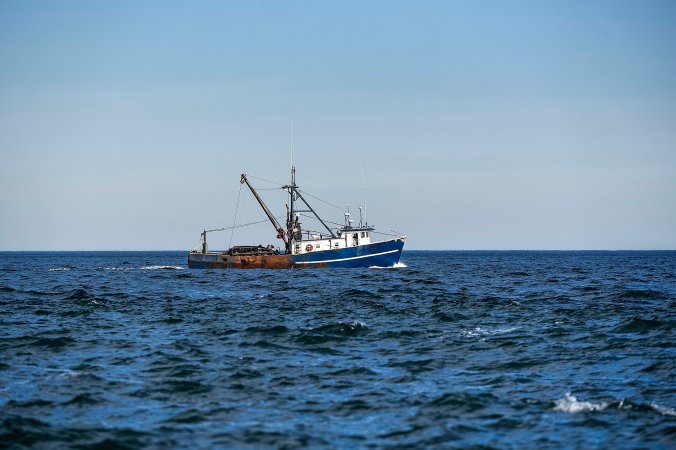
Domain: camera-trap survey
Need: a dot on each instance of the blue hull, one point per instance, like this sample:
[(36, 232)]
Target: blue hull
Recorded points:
[(382, 254)]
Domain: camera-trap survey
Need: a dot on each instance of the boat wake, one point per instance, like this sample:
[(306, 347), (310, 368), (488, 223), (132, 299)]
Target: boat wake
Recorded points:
[(162, 267)]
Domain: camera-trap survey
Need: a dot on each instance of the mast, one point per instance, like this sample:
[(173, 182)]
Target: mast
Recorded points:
[(292, 187), (294, 194), (291, 218), (278, 228)]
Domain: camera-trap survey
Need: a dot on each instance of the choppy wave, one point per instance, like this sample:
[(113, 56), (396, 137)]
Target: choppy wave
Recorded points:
[(479, 331), (331, 333), (75, 294), (663, 409), (342, 328), (461, 349), (571, 404), (630, 294), (640, 325)]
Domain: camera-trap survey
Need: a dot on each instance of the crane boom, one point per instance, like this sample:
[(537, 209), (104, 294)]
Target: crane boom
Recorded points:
[(281, 234)]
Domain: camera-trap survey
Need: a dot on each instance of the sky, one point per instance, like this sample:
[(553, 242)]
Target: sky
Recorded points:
[(464, 125)]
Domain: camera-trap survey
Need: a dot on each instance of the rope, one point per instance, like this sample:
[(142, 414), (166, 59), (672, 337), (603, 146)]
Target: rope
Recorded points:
[(385, 234), (242, 225), (323, 201), (263, 179), (395, 234), (235, 219), (327, 221), (282, 184)]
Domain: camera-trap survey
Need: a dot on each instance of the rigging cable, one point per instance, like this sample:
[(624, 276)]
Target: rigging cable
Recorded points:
[(267, 181), (323, 201), (304, 192), (340, 225), (327, 221), (385, 234), (232, 232), (242, 225)]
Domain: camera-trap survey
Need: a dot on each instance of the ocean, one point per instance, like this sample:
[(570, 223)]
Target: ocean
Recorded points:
[(452, 349)]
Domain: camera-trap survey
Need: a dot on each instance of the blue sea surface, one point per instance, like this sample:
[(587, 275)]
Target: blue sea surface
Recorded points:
[(452, 350)]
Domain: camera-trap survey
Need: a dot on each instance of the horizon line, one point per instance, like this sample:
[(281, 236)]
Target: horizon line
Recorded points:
[(404, 250)]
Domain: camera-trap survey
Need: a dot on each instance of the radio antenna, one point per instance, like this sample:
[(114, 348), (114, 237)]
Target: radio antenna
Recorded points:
[(363, 187), (293, 169)]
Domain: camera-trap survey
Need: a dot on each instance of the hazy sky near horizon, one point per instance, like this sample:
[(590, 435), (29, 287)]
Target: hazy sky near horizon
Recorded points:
[(478, 125)]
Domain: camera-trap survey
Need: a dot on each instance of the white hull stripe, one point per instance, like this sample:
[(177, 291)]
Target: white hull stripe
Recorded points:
[(346, 259)]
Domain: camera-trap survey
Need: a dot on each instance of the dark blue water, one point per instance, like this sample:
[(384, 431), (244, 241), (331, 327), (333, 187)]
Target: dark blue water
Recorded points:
[(494, 349)]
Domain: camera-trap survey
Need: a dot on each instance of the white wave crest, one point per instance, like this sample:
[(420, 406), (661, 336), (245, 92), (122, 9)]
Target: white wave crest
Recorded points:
[(478, 331), (59, 269), (116, 268), (570, 404), (161, 267), (399, 265), (67, 373), (663, 409)]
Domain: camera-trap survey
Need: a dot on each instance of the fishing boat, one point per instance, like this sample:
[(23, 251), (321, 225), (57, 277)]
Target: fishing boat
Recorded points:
[(348, 245)]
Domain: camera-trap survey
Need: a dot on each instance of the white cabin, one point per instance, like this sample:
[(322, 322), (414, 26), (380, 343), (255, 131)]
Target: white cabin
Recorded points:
[(345, 238)]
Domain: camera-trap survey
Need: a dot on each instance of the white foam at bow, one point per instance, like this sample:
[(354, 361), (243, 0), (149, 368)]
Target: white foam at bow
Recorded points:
[(399, 265)]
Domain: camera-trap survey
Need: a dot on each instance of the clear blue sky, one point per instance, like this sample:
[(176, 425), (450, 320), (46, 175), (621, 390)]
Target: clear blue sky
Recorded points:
[(479, 125)]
